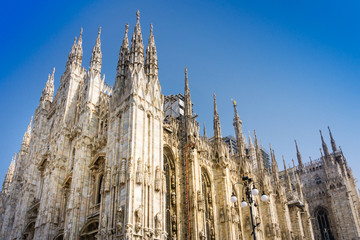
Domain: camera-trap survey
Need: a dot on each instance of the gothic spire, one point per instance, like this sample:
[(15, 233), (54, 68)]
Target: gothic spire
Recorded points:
[(137, 45), (252, 152), (48, 91), (251, 145), (188, 103), (75, 55), (324, 146), (96, 56), (217, 127), (274, 165), (287, 177), (259, 158), (80, 39), (79, 50), (237, 123), (301, 165), (27, 135), (333, 145), (205, 136), (123, 62), (151, 61)]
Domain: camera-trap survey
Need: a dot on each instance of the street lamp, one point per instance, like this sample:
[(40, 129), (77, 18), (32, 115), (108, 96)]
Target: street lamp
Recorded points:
[(248, 183)]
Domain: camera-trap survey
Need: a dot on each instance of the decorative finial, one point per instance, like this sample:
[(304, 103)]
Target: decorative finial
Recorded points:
[(99, 31), (151, 28), (75, 40), (126, 28), (81, 32), (234, 102), (185, 71), (138, 15)]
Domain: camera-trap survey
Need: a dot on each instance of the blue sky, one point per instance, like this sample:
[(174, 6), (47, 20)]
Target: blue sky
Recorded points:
[(292, 67)]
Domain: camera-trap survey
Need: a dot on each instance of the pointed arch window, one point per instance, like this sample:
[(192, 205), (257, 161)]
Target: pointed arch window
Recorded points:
[(171, 203), (324, 225), (207, 202)]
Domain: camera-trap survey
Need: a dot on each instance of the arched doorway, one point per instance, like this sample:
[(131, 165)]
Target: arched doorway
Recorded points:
[(90, 230), (323, 222)]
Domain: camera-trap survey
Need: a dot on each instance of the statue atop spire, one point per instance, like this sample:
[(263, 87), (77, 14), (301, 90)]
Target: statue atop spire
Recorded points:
[(138, 15), (217, 126), (301, 165), (324, 146), (151, 61), (137, 45), (333, 145), (96, 56)]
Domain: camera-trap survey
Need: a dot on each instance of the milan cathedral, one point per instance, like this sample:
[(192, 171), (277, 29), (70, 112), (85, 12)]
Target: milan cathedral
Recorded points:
[(126, 162)]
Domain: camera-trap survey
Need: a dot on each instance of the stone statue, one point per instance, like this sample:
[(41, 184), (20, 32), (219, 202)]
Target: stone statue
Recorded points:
[(103, 225), (173, 223), (173, 181), (235, 216), (200, 201), (157, 224), (139, 172), (128, 233), (123, 171), (120, 217), (211, 214), (107, 179), (209, 198), (212, 233), (138, 218), (222, 215), (157, 179), (173, 198), (202, 235)]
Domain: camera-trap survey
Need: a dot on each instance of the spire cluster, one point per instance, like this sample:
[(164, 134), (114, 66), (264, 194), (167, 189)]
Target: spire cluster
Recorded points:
[(76, 53), (132, 57)]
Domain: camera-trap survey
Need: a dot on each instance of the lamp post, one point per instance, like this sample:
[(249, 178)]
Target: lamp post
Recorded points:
[(250, 190)]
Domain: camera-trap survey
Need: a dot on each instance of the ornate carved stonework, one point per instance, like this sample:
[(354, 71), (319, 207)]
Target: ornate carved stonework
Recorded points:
[(126, 162)]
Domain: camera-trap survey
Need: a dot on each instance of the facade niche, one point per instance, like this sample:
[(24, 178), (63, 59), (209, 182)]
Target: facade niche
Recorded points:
[(97, 168)]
